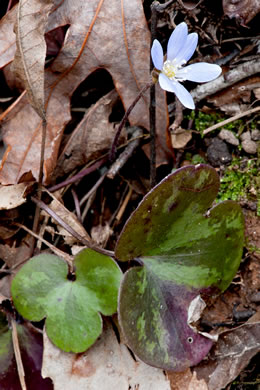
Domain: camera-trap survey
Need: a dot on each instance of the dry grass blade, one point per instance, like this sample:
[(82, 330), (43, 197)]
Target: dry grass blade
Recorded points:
[(31, 49)]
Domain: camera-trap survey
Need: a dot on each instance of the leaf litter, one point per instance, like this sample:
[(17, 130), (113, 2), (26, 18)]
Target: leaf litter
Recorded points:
[(240, 301)]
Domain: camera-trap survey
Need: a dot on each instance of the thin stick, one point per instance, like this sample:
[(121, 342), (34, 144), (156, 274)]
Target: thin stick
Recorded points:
[(124, 204), (89, 195), (61, 222), (77, 205), (78, 176), (112, 152), (134, 142), (229, 120), (17, 354), (58, 252)]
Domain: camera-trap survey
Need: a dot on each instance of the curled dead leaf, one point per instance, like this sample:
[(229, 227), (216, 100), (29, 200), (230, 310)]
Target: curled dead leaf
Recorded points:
[(125, 55), (30, 53)]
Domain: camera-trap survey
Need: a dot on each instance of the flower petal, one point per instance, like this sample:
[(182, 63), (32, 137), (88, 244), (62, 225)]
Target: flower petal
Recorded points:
[(173, 86), (177, 40), (157, 54), (200, 72), (188, 50)]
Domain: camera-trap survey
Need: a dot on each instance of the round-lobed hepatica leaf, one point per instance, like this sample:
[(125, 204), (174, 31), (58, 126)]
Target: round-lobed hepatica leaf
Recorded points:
[(184, 250), (72, 308)]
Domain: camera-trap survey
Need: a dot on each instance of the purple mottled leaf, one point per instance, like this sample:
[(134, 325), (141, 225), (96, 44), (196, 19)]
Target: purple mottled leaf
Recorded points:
[(31, 346), (184, 250)]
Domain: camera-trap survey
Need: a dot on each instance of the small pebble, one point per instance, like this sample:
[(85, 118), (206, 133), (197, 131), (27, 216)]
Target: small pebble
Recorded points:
[(255, 135), (229, 137), (218, 153), (245, 136), (249, 146)]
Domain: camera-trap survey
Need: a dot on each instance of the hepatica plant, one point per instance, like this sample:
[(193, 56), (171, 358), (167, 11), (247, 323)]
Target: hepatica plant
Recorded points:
[(184, 250), (181, 251), (172, 72)]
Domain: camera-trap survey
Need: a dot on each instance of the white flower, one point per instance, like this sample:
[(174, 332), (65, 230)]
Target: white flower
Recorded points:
[(180, 48)]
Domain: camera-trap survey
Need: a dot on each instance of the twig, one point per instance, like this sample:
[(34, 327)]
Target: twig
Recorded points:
[(233, 76), (124, 119), (90, 194), (77, 205), (81, 239), (92, 190), (126, 154), (58, 252), (229, 120), (124, 204), (17, 354), (79, 175)]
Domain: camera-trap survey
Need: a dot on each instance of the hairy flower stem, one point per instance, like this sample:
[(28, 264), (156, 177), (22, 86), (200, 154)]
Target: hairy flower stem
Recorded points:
[(124, 119)]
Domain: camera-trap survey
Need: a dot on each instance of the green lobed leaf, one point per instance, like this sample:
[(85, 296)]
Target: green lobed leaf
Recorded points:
[(72, 308), (184, 250)]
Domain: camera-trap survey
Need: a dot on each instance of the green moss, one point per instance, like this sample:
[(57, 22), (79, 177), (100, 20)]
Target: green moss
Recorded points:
[(202, 121), (241, 181)]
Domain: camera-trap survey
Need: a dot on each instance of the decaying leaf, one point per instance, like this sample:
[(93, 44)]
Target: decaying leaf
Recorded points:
[(180, 137), (125, 55), (31, 49), (243, 10), (12, 196), (7, 37), (107, 365), (186, 380), (230, 355), (92, 137), (69, 218)]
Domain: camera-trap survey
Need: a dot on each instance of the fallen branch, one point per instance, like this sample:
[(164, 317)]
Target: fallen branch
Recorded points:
[(229, 120), (233, 76)]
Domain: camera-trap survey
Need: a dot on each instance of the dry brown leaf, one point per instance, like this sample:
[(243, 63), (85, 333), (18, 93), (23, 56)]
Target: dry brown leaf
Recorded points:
[(104, 34), (180, 137), (12, 196), (107, 365), (69, 218), (92, 137), (7, 37), (30, 54), (243, 10), (230, 355), (186, 381), (237, 93), (100, 234)]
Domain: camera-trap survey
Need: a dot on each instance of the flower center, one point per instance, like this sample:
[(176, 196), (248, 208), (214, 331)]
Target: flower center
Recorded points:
[(169, 69)]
